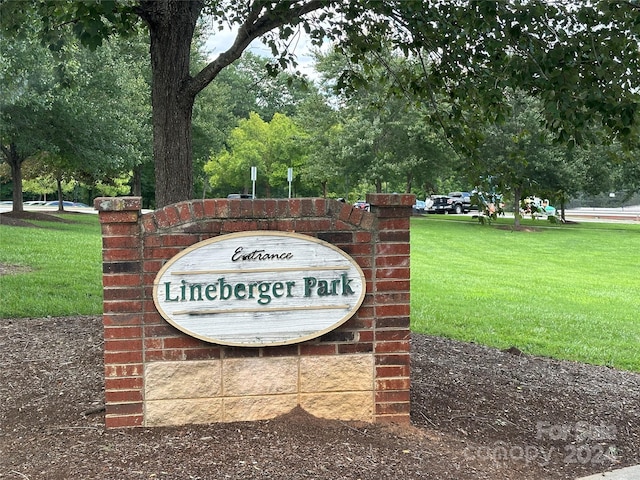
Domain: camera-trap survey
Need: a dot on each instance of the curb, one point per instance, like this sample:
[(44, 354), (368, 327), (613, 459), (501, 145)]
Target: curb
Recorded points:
[(629, 473)]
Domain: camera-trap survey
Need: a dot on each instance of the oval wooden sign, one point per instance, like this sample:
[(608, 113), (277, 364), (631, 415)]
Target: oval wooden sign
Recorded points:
[(257, 289)]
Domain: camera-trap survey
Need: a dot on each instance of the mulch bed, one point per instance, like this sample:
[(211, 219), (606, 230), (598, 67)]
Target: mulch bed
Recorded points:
[(477, 413), (25, 219)]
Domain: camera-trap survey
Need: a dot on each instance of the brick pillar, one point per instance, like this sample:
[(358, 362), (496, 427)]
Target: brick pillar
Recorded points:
[(122, 318), (391, 289)]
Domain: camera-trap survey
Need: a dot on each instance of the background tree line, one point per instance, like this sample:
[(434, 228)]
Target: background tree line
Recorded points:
[(82, 119)]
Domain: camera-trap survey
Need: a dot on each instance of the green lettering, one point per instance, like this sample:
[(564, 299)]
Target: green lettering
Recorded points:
[(192, 290), (167, 293), (225, 289), (183, 290), (290, 285), (265, 298), (346, 288), (323, 288), (239, 291), (251, 287), (278, 289), (309, 283), (210, 291)]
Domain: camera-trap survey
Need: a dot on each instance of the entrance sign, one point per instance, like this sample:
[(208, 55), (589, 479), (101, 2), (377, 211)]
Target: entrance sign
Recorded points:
[(261, 288)]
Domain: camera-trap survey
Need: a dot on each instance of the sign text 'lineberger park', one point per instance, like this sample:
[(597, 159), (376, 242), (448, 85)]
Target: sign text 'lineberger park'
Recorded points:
[(260, 288)]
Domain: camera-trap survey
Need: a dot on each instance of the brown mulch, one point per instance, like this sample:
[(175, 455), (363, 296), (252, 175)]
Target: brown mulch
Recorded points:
[(477, 413), (24, 219)]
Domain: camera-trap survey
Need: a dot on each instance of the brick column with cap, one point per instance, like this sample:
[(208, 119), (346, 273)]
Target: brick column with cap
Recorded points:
[(391, 289), (122, 310)]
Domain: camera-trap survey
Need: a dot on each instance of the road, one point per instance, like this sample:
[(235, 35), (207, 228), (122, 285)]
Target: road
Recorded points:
[(7, 208), (625, 214)]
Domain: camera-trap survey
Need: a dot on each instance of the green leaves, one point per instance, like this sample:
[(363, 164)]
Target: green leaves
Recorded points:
[(567, 53), (582, 59), (91, 21), (272, 147), (84, 118)]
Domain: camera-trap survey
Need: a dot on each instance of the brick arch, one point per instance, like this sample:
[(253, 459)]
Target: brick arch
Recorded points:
[(142, 350), (233, 215)]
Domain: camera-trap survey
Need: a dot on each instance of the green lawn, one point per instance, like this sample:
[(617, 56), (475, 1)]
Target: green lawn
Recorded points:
[(66, 268), (570, 291)]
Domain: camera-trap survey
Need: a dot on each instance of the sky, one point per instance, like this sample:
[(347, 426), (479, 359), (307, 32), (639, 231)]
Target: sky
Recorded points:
[(220, 41)]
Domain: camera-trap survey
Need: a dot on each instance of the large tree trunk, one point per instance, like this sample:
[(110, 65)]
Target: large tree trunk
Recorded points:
[(15, 162), (517, 196), (409, 183), (60, 194), (171, 26), (136, 181)]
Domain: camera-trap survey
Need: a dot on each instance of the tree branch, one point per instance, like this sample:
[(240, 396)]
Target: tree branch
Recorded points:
[(254, 27)]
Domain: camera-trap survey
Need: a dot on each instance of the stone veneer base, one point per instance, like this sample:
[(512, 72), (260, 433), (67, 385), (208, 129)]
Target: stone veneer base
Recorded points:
[(248, 389)]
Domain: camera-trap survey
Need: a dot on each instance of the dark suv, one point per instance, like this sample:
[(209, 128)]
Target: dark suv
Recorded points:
[(464, 198), (455, 202)]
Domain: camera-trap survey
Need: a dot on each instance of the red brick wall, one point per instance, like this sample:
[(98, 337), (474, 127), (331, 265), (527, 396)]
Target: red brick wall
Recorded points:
[(136, 246)]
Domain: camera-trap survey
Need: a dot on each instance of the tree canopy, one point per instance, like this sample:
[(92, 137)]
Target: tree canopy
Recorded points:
[(581, 58), (272, 147), (77, 113)]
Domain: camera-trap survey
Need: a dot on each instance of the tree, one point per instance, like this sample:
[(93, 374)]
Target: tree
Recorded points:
[(171, 25), (383, 139), (77, 111), (474, 49), (272, 147), (607, 168), (243, 88), (518, 154), (581, 58), (256, 90), (324, 170), (26, 75)]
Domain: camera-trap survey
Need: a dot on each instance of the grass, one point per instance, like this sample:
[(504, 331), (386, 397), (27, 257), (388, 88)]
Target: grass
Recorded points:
[(65, 268), (568, 291)]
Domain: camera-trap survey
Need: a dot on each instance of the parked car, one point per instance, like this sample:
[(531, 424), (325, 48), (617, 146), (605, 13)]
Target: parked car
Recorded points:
[(431, 203), (56, 203), (65, 204), (239, 195), (428, 203), (465, 197), (362, 205), (419, 207)]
